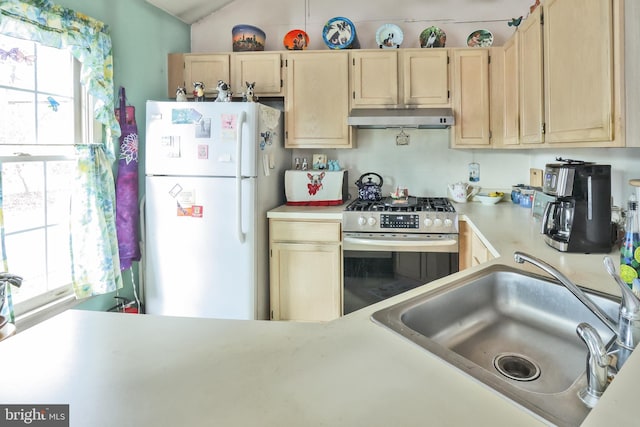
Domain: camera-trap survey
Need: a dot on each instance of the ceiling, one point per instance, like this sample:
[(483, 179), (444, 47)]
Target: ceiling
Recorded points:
[(189, 11)]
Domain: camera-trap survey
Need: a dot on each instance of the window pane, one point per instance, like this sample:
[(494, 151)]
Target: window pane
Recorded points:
[(18, 124), (55, 71), (23, 195), (59, 180), (17, 63), (58, 256), (55, 120), (26, 257)]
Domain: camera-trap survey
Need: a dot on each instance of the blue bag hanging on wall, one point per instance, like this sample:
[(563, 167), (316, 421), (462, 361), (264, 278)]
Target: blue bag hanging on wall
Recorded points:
[(127, 209)]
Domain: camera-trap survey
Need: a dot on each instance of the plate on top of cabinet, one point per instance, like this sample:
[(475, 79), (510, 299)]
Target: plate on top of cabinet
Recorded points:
[(480, 38), (389, 36), (296, 40), (433, 37)]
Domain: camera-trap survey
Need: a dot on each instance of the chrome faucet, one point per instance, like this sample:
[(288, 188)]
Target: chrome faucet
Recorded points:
[(626, 329), (598, 362)]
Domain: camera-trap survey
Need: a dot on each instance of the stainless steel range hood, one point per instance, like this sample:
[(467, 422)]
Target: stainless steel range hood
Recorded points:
[(421, 118)]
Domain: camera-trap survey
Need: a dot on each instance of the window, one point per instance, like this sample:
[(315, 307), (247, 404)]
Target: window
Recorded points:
[(44, 112)]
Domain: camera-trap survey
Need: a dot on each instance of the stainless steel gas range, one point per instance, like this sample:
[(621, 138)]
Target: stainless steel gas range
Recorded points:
[(391, 246)]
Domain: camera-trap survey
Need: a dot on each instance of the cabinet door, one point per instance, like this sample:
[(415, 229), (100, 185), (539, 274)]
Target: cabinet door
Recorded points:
[(471, 97), (464, 245), (306, 281), (175, 73), (578, 66), (206, 68), (374, 77), (263, 68), (531, 80), (425, 77), (317, 100), (510, 97)]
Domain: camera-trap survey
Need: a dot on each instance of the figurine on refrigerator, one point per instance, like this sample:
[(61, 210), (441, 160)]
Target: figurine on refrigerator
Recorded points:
[(181, 94), (249, 93), (198, 91), (224, 92)]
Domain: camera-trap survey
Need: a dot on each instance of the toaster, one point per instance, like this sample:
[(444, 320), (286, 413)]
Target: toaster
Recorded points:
[(315, 187)]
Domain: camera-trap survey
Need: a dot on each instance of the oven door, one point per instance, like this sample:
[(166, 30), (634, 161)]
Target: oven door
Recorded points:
[(378, 266)]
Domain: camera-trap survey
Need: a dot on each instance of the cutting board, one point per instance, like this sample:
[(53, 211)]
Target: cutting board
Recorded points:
[(535, 177)]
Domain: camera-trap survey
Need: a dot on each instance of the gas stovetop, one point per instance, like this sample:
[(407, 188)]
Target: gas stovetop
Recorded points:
[(413, 215), (412, 204)]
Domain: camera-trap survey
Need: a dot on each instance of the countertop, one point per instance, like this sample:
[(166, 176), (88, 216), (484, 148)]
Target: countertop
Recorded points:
[(143, 370)]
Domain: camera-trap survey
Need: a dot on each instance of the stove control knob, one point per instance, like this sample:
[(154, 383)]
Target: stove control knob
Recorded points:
[(372, 221), (448, 222), (362, 220), (428, 222), (437, 222)]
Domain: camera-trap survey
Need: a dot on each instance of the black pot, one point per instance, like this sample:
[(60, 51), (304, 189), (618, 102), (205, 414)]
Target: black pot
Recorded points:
[(369, 189)]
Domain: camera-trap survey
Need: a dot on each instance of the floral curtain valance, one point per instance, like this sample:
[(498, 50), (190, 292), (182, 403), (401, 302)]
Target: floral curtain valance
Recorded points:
[(88, 40)]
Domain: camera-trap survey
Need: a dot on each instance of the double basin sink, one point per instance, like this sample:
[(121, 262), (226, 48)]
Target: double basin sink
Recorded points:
[(511, 330)]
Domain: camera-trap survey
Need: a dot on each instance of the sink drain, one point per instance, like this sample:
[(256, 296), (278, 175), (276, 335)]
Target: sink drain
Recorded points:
[(516, 367)]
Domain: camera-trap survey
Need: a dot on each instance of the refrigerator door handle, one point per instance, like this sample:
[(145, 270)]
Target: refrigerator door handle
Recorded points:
[(241, 120)]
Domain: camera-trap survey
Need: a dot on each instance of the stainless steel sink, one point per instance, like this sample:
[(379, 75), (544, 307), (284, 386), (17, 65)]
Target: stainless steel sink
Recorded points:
[(513, 331)]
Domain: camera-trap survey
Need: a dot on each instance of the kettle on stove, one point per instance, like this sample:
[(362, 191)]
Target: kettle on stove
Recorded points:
[(370, 190)]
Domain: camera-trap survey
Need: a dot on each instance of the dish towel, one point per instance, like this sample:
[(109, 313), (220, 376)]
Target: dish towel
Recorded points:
[(127, 210)]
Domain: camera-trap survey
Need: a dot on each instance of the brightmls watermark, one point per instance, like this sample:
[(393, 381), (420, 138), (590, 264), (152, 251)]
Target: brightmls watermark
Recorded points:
[(34, 415)]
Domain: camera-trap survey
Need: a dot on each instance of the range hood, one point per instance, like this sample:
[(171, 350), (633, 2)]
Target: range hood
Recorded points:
[(421, 118)]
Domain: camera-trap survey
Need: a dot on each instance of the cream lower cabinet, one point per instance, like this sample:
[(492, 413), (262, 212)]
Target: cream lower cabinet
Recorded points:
[(306, 270), (472, 251)]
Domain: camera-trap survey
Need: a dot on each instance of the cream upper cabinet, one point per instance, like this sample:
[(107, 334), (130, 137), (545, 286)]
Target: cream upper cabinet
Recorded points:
[(578, 68), (207, 68), (374, 78), (511, 92), (186, 68), (317, 99), (262, 68), (470, 85), (305, 270), (425, 77), (531, 80), (405, 77)]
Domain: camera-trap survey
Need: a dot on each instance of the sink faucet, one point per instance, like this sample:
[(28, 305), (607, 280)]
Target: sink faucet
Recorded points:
[(597, 365), (626, 329)]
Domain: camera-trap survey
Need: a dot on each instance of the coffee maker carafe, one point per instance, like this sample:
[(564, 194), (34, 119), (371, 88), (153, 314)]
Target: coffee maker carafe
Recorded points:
[(579, 220)]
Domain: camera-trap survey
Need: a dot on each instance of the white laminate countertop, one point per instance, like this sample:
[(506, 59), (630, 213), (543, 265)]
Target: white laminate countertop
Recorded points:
[(142, 370)]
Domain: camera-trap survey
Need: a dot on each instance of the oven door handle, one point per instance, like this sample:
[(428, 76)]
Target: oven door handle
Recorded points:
[(399, 243)]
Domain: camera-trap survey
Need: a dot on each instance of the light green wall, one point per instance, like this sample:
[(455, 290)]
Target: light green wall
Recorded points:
[(141, 35)]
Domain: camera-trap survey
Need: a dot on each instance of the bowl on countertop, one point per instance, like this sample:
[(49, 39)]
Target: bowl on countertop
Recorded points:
[(488, 198)]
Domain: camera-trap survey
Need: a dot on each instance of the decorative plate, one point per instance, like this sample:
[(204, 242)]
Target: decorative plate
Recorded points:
[(480, 38), (389, 36), (296, 40), (432, 37), (340, 33), (247, 38)]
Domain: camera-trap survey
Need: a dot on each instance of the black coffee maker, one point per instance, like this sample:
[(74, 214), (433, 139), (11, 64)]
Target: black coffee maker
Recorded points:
[(579, 220)]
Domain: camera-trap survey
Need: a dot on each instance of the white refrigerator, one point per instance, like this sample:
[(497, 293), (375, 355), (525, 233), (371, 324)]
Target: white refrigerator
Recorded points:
[(213, 170)]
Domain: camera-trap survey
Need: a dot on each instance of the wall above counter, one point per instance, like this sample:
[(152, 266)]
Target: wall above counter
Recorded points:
[(189, 11)]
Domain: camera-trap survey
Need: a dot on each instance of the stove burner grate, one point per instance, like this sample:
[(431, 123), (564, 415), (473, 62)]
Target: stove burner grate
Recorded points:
[(414, 204)]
